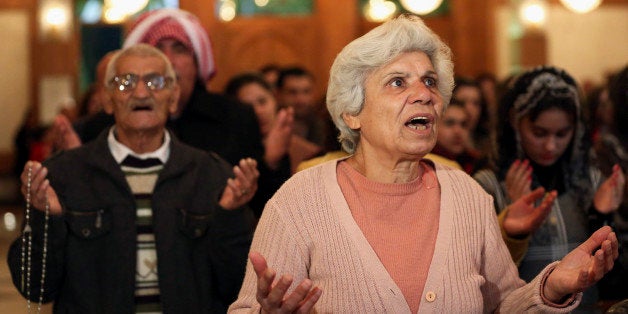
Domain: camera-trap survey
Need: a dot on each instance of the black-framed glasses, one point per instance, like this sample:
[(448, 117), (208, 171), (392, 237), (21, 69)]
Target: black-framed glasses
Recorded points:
[(153, 81)]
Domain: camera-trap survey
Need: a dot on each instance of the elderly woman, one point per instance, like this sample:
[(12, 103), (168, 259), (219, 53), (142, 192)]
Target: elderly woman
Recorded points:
[(385, 230)]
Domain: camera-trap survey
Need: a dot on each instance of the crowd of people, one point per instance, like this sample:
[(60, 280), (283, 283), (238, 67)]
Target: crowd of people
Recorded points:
[(414, 191)]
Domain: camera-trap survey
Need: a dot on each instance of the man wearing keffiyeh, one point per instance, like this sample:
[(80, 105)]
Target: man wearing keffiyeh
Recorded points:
[(206, 120)]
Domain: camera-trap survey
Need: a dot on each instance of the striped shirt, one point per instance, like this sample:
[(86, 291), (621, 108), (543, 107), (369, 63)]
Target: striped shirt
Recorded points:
[(141, 172)]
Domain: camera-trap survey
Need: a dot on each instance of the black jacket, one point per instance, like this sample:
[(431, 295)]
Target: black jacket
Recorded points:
[(201, 248)]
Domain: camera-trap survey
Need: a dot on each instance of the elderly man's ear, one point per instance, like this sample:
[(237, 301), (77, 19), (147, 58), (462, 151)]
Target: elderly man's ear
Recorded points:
[(352, 121), (108, 104), (106, 101), (173, 102)]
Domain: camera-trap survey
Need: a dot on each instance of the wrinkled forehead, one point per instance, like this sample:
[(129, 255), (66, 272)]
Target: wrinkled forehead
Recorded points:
[(140, 65)]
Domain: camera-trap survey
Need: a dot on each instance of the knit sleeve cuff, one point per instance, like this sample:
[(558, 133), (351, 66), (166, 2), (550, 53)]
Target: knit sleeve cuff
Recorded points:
[(567, 300)]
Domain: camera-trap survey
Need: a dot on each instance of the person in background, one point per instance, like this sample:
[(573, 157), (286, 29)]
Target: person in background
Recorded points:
[(453, 136), (385, 230), (70, 134), (100, 97), (612, 149), (600, 112), (481, 123), (31, 141), (543, 148), (283, 149), (139, 222), (489, 85), (295, 88), (275, 124), (94, 99), (89, 104)]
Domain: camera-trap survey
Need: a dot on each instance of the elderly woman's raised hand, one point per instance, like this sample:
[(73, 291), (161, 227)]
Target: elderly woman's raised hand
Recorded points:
[(272, 296), (610, 194), (240, 190), (583, 266), (523, 218), (518, 179), (40, 189)]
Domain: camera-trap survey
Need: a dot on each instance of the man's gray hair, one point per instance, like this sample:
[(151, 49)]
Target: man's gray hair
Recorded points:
[(140, 50)]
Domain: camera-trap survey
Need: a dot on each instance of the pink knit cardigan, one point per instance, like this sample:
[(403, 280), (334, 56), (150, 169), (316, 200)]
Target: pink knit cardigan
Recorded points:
[(307, 230)]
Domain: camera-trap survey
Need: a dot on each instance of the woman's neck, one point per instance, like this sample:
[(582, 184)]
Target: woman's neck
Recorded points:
[(550, 177), (385, 170)]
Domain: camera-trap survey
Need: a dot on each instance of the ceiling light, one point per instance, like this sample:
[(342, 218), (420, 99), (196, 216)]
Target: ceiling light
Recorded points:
[(533, 13), (581, 6), (421, 7), (379, 10)]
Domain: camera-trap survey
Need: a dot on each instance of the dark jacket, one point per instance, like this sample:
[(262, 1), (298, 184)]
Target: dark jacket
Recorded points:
[(201, 248)]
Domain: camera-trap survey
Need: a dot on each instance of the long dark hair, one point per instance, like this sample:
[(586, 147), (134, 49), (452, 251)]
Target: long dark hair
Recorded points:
[(530, 94), (238, 81)]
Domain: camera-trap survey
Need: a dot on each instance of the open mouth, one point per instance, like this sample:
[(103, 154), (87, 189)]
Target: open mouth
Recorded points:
[(419, 123), (142, 108)]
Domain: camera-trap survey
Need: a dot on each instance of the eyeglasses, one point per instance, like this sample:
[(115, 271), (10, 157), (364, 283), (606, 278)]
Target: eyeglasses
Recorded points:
[(153, 81)]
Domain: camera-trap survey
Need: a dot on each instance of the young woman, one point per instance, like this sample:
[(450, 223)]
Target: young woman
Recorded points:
[(283, 148), (542, 146)]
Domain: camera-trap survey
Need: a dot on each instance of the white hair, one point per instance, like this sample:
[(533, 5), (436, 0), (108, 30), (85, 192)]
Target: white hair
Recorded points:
[(141, 50), (406, 33)]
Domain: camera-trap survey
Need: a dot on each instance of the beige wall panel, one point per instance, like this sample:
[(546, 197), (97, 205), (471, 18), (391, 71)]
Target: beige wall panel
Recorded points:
[(15, 69)]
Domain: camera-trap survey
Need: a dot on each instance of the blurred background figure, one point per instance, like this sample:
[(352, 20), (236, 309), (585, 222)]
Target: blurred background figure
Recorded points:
[(453, 136), (611, 149), (489, 85), (600, 112), (90, 104), (276, 124), (295, 88), (481, 123), (69, 109), (32, 141), (95, 119)]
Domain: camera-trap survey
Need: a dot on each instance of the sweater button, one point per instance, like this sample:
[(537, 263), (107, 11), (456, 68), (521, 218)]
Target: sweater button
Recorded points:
[(430, 296)]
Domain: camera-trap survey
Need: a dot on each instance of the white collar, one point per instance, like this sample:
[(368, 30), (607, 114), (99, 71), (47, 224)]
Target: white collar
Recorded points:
[(120, 151)]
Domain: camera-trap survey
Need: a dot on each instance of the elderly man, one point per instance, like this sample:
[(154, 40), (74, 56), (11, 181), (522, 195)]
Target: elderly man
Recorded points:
[(205, 120), (139, 222)]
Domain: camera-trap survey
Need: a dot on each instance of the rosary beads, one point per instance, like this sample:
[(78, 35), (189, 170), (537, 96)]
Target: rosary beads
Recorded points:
[(27, 245)]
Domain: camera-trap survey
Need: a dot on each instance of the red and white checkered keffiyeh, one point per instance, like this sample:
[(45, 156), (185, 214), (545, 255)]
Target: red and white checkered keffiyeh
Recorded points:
[(180, 25)]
